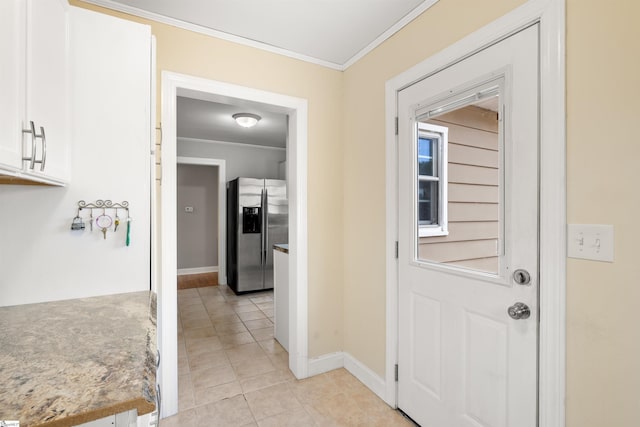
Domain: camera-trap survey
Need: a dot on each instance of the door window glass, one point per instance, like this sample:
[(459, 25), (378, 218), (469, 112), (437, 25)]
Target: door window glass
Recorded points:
[(459, 183)]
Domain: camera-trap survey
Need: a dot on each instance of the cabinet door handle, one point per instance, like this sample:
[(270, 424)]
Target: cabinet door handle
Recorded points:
[(159, 399), (44, 148), (32, 131)]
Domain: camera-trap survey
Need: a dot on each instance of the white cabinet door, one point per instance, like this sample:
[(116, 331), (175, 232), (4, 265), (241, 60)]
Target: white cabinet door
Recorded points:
[(109, 421), (12, 66), (34, 59), (123, 419), (47, 61), (146, 420)]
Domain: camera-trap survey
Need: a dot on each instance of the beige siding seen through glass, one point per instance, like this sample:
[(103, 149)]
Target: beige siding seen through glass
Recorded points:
[(473, 189)]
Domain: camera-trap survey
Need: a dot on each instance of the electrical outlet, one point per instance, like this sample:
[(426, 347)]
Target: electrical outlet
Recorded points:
[(590, 241), (188, 209)]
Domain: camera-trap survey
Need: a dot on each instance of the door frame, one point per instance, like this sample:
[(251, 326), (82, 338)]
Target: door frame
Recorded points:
[(222, 208), (550, 14), (174, 84)]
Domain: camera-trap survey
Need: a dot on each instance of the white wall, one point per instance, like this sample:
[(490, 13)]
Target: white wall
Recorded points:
[(242, 160), (41, 259), (198, 230)]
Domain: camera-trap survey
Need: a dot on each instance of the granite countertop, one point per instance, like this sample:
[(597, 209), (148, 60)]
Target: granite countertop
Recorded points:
[(282, 247), (64, 363)]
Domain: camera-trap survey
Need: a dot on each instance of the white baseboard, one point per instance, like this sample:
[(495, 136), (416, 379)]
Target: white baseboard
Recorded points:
[(197, 270), (325, 363), (366, 376)]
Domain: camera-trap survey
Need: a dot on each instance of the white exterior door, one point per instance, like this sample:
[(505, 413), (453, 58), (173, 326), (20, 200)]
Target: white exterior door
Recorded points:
[(468, 238)]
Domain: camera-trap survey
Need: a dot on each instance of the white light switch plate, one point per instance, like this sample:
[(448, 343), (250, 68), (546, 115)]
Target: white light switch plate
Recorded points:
[(590, 241), (188, 209)]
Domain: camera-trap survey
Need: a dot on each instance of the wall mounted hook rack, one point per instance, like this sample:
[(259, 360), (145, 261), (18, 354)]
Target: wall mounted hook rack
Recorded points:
[(103, 221), (103, 204)]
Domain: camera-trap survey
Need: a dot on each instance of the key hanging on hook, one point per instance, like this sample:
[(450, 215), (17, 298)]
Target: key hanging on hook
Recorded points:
[(104, 221), (116, 222)]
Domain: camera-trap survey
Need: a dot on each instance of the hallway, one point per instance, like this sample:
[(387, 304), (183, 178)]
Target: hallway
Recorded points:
[(231, 372)]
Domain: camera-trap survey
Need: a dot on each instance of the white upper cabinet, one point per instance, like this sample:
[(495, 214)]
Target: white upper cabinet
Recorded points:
[(34, 122), (12, 67)]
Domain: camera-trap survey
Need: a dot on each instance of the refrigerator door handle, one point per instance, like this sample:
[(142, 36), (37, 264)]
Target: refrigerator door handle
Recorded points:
[(266, 224), (262, 236)]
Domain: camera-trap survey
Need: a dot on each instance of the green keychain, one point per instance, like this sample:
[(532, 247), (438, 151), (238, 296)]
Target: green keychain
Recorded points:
[(128, 241)]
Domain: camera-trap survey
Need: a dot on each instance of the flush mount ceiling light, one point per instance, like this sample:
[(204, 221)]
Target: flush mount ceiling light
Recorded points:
[(246, 120)]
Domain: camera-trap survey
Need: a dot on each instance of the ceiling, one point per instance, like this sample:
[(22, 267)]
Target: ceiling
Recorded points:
[(334, 33), (212, 121)]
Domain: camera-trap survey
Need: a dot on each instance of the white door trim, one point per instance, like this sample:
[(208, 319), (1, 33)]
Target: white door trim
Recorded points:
[(222, 208), (551, 16), (174, 84)]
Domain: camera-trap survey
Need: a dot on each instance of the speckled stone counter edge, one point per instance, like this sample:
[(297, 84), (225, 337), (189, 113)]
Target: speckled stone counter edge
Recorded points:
[(141, 404), (282, 248)]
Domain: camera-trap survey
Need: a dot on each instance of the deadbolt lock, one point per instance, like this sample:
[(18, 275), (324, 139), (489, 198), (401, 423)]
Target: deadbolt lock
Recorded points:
[(521, 277)]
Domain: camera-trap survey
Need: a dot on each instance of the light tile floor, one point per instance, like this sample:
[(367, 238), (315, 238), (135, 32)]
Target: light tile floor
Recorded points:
[(231, 372)]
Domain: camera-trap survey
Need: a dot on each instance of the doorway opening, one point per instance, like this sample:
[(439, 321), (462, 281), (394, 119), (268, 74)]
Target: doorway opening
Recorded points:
[(178, 85), (201, 222)]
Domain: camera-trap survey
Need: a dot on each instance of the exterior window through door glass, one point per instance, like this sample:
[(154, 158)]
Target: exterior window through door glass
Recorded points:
[(431, 149), (459, 183)]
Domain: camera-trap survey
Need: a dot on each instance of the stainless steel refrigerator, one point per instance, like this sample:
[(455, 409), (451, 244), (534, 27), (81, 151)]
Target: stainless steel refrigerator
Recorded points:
[(257, 218)]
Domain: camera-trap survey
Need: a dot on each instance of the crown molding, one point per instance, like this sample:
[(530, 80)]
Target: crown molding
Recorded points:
[(424, 6), (113, 5)]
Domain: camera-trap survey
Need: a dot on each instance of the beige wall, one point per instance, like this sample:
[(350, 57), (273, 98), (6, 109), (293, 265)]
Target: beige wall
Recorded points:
[(603, 333), (347, 178), (187, 52)]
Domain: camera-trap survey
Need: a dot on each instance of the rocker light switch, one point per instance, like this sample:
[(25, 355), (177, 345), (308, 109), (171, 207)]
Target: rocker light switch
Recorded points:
[(590, 241), (188, 209)]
